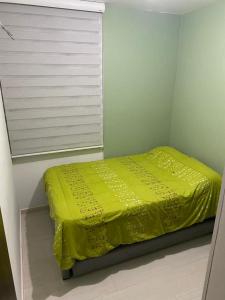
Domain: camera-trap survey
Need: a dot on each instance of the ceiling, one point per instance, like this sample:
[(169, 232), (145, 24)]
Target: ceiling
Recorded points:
[(165, 6)]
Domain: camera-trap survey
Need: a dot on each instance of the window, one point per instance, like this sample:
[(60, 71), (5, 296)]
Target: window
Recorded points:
[(51, 78)]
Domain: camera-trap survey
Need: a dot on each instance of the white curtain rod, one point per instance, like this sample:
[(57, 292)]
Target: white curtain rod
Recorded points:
[(66, 4)]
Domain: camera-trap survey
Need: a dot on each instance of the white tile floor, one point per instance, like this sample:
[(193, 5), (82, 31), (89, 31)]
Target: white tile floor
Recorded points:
[(176, 273)]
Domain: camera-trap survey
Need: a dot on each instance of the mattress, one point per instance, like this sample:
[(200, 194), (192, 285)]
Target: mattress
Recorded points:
[(100, 205)]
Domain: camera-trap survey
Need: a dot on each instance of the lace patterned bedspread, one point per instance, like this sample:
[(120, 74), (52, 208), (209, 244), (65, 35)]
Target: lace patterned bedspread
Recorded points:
[(100, 205)]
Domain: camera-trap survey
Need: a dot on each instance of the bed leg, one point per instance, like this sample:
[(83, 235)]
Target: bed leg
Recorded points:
[(67, 274)]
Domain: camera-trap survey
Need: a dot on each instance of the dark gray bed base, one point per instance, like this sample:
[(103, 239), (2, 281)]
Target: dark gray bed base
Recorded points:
[(127, 252)]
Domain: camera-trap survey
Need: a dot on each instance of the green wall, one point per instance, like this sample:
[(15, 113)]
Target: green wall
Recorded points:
[(139, 56), (198, 119)]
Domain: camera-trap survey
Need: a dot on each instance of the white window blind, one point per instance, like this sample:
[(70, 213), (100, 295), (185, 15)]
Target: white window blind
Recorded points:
[(51, 78)]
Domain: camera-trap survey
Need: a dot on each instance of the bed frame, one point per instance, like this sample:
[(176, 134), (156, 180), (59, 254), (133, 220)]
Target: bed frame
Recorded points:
[(127, 252)]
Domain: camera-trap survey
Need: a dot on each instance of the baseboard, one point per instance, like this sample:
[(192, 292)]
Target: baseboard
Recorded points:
[(32, 209), (21, 259)]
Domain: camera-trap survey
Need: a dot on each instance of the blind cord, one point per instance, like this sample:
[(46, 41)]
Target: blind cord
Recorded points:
[(7, 31)]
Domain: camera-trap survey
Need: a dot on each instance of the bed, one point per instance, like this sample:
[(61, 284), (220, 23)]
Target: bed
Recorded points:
[(133, 200)]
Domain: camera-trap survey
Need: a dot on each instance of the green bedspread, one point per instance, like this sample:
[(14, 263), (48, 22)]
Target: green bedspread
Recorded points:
[(100, 205)]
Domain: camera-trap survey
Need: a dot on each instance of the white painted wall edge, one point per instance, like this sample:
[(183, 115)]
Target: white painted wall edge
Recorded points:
[(66, 4), (9, 205)]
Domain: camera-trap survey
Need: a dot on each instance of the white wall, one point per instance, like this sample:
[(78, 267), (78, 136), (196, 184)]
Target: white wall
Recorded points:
[(28, 174), (9, 206)]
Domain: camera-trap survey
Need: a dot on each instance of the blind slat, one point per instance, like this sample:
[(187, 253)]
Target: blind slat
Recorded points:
[(53, 122), (26, 9), (55, 59), (53, 141), (51, 132), (48, 47), (52, 35), (47, 22), (26, 151), (22, 114), (36, 70), (51, 81), (51, 102), (27, 92)]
